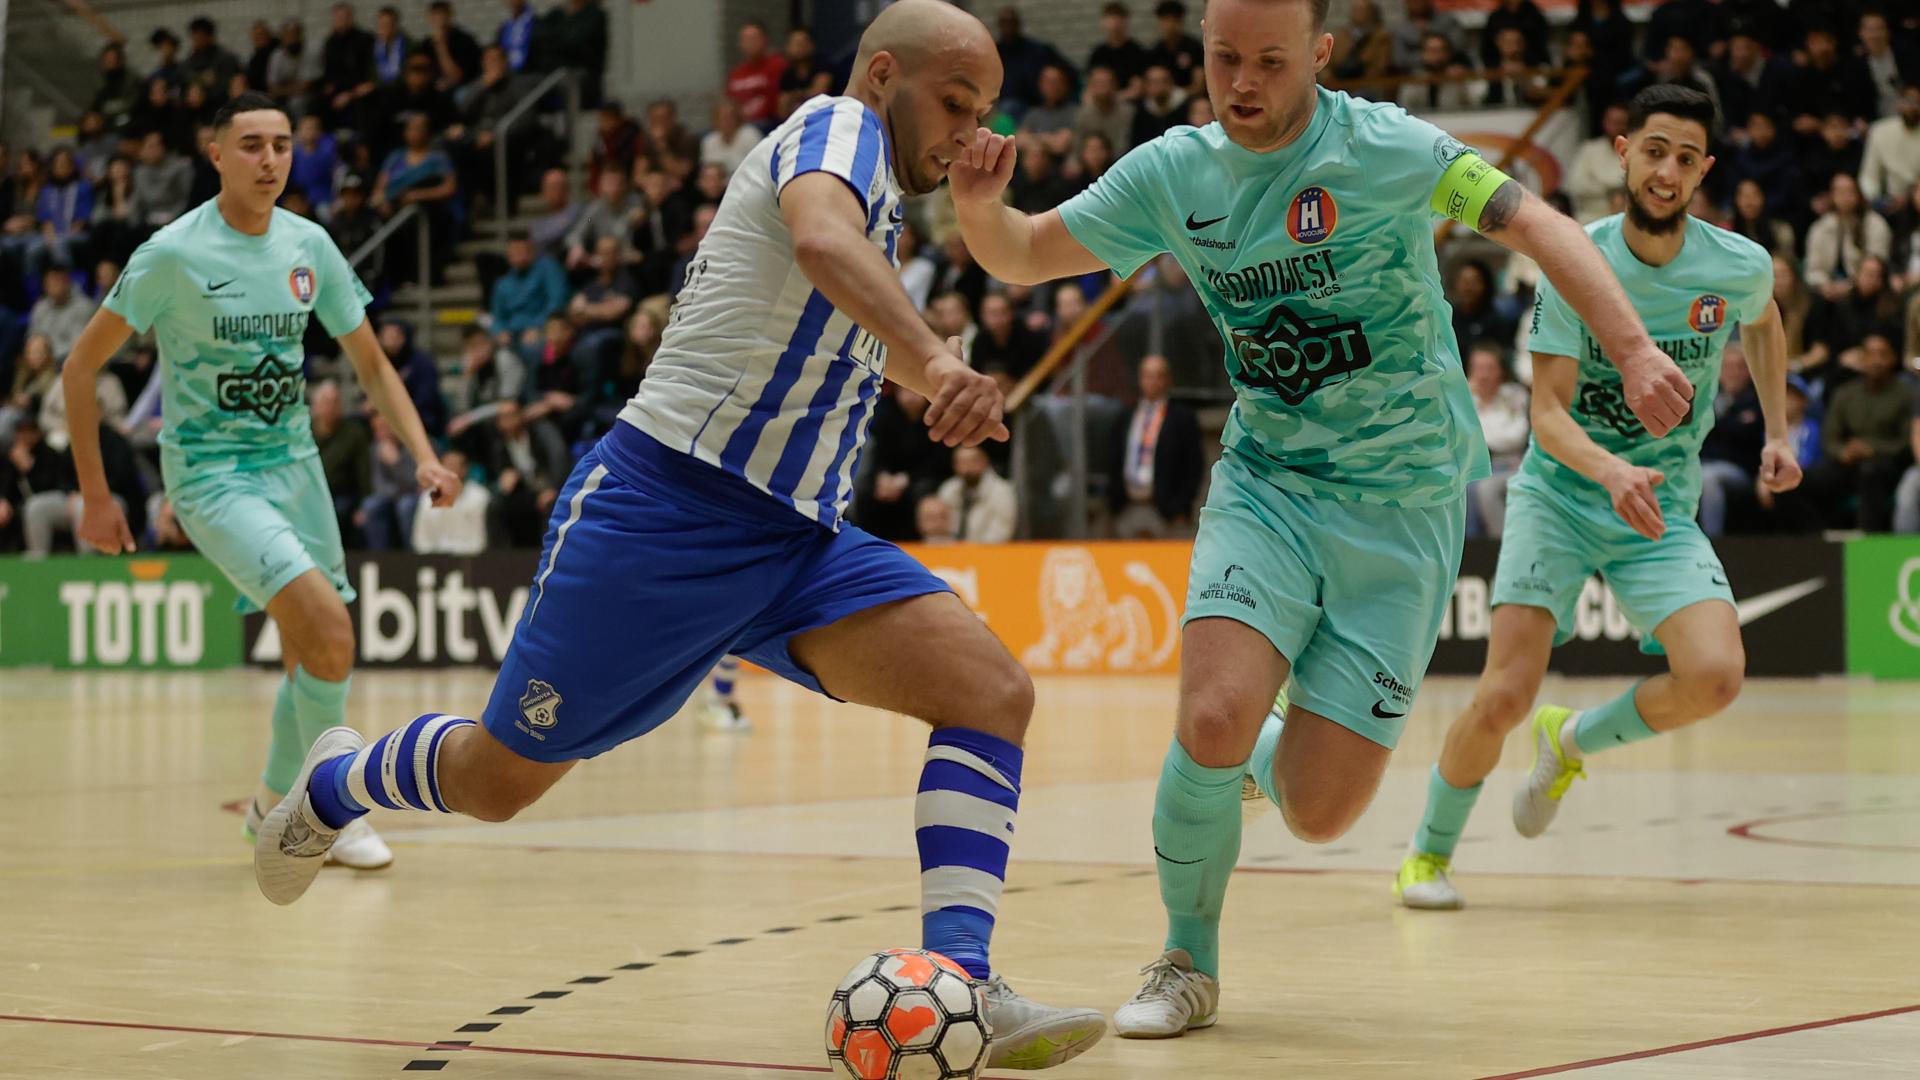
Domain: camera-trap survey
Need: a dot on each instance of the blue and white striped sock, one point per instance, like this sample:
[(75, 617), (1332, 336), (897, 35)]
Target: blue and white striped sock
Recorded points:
[(398, 771), (724, 673), (963, 824)]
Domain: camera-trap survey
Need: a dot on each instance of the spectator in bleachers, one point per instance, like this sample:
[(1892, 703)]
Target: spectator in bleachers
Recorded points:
[(901, 466), (1609, 40), (36, 371), (390, 47), (264, 44), (1418, 21), (1702, 22), (94, 146), (550, 230), (731, 140), (533, 289), (1475, 318), (156, 114), (666, 135), (412, 94), (1511, 81), (1595, 173), (489, 374), (1039, 184), (710, 183), (689, 245), (1163, 104), (803, 77), (30, 467), (460, 529), (119, 90), (754, 82), (1438, 61), (1827, 85), (1048, 123), (1096, 157), (471, 139), (1155, 462), (196, 107), (1751, 219), (1732, 445), (526, 472), (1176, 50), (315, 157), (118, 224), (614, 212), (109, 396), (1364, 49), (1104, 110), (346, 451), (455, 53), (1750, 81), (1521, 15), (983, 502), (1890, 67), (419, 373), (417, 174), (1501, 404), (1679, 64), (61, 313), (1905, 222), (61, 211), (1866, 305), (294, 70), (580, 43), (1123, 58), (1002, 342), (210, 65), (616, 143), (1769, 161), (353, 223), (1891, 162), (933, 520), (950, 315), (567, 381), (599, 310), (1843, 236), (515, 35), (1866, 432), (346, 70), (385, 517), (166, 54), (1023, 58)]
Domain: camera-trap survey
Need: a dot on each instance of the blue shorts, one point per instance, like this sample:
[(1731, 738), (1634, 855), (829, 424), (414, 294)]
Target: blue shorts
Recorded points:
[(655, 566)]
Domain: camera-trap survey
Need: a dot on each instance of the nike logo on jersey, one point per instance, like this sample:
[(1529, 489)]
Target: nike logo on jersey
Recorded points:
[(211, 287), (1380, 712), (1196, 226), (1759, 607)]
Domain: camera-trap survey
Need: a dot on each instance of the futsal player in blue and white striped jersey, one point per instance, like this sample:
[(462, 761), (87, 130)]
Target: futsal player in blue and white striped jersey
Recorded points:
[(711, 521)]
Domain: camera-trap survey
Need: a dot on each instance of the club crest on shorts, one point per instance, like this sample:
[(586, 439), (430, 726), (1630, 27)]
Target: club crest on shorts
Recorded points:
[(540, 705), (1312, 217), (301, 283), (1708, 314)]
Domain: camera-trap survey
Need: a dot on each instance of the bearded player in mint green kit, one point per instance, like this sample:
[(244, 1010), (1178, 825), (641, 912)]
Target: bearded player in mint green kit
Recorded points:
[(1331, 537), (1595, 493), (228, 288)]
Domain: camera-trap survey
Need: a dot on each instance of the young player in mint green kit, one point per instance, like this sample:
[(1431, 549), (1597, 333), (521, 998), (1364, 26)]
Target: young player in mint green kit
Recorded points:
[(228, 288), (1596, 493), (1331, 538)]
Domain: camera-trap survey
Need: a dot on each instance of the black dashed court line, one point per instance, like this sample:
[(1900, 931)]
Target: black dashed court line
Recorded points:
[(782, 930), (678, 953), (634, 967), (548, 995), (425, 1065), (590, 980), (476, 1027), (838, 918), (511, 1010), (898, 907), (732, 940)]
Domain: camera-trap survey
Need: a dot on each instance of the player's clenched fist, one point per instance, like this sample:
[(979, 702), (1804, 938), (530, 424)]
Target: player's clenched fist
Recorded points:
[(967, 405), (983, 170)]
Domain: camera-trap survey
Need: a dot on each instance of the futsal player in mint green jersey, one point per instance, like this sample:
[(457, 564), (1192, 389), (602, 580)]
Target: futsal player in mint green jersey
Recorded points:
[(228, 289), (1331, 537), (1597, 493)]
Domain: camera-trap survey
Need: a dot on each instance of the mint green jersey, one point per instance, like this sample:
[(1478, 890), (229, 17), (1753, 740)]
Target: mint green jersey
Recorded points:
[(229, 312), (1316, 263), (1690, 307)]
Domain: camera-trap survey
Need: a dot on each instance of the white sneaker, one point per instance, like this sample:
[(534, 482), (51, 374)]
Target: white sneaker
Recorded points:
[(1029, 1035), (1175, 1000), (1552, 773), (358, 847), (721, 714), (1423, 883), (291, 843)]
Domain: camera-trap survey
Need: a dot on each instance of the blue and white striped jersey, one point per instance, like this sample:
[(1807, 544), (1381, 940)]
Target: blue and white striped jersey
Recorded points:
[(757, 373)]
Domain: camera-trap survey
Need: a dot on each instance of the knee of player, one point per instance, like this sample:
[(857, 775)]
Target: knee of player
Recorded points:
[(1499, 706), (1315, 820), (1007, 698), (329, 654), (1214, 736), (1714, 685)]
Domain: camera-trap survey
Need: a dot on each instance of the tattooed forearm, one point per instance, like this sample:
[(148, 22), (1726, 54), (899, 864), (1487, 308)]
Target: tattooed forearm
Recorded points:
[(1500, 209)]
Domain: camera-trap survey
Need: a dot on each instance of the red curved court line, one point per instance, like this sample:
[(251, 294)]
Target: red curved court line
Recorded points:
[(1745, 831), (1594, 1063), (402, 1043)]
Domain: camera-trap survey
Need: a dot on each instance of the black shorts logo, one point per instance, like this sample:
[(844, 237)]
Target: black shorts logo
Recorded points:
[(1292, 355), (267, 391)]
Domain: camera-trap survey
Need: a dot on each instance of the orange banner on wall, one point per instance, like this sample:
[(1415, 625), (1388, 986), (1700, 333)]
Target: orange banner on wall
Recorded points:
[(1096, 608)]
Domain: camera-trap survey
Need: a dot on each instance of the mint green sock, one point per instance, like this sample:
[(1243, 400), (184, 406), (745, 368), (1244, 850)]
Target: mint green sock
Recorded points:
[(318, 705), (1265, 749), (1616, 723), (1446, 816), (287, 750), (1196, 836)]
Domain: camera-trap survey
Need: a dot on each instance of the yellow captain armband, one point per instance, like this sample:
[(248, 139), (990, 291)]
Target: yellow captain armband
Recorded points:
[(1465, 188)]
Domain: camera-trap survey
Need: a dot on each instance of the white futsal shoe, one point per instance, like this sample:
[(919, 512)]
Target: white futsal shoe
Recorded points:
[(357, 847), (1029, 1035), (1174, 1000), (292, 843), (1423, 883)]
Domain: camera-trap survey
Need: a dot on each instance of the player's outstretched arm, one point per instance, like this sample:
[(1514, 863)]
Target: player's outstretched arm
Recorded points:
[(830, 244), (102, 523), (1765, 340), (1559, 434), (389, 395), (1656, 391), (1012, 246)]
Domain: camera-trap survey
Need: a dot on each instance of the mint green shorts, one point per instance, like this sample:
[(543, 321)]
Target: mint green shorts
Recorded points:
[(264, 527), (1352, 594), (1554, 542)]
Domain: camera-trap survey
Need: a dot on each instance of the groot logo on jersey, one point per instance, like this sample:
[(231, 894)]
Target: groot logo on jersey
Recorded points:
[(267, 391), (1292, 355)]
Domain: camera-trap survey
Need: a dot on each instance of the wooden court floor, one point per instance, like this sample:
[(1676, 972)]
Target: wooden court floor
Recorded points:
[(1737, 901)]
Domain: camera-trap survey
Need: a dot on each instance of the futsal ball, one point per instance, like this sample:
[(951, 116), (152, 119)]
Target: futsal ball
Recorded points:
[(907, 1014)]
